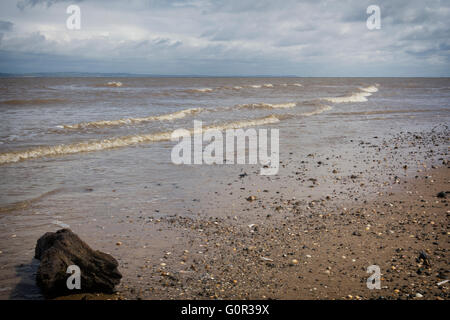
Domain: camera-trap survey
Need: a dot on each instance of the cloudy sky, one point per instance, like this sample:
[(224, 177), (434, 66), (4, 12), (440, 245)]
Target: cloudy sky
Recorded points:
[(227, 37)]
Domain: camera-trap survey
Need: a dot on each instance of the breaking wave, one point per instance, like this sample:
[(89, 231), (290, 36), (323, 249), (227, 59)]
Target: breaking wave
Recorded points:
[(240, 87), (114, 84), (98, 145), (201, 90), (110, 84), (128, 121), (378, 112), (356, 96), (370, 89), (267, 105)]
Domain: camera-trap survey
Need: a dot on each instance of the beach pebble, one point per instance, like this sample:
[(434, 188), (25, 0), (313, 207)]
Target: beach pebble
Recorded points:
[(118, 243), (441, 194), (418, 295)]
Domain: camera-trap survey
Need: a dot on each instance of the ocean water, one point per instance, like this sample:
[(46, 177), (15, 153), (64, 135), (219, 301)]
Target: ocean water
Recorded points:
[(63, 135)]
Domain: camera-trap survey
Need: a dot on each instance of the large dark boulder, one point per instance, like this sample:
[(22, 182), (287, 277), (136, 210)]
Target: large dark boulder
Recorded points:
[(58, 250)]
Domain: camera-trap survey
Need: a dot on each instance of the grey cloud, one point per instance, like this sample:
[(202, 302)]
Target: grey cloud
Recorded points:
[(6, 25), (22, 4), (235, 36)]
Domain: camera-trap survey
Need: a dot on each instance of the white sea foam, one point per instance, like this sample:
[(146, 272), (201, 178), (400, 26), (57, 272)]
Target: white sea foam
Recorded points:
[(355, 97), (267, 105), (114, 84), (291, 84), (203, 90), (128, 121), (370, 89)]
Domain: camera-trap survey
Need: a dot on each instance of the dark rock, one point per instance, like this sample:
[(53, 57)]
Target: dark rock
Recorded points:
[(441, 194), (58, 250), (424, 259)]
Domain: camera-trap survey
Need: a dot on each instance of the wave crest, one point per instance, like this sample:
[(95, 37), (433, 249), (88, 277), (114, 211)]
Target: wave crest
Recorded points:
[(128, 121), (356, 96), (114, 84), (370, 89), (267, 105)]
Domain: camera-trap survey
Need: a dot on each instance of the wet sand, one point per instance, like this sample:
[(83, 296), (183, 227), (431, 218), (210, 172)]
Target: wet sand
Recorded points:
[(381, 208)]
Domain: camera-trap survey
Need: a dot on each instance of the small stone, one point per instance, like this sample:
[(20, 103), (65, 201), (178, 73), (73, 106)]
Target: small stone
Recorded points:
[(294, 261), (118, 243), (251, 198), (418, 295), (441, 195)]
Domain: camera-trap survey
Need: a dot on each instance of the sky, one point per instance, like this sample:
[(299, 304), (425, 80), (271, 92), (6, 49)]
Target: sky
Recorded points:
[(308, 38)]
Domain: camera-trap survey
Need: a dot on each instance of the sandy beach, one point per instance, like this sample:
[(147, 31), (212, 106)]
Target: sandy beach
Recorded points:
[(317, 246)]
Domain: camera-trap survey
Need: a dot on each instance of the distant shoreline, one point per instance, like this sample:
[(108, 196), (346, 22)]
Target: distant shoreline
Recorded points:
[(132, 75)]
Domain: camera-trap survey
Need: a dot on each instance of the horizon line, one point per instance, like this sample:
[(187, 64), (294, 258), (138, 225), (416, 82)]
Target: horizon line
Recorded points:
[(149, 75)]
